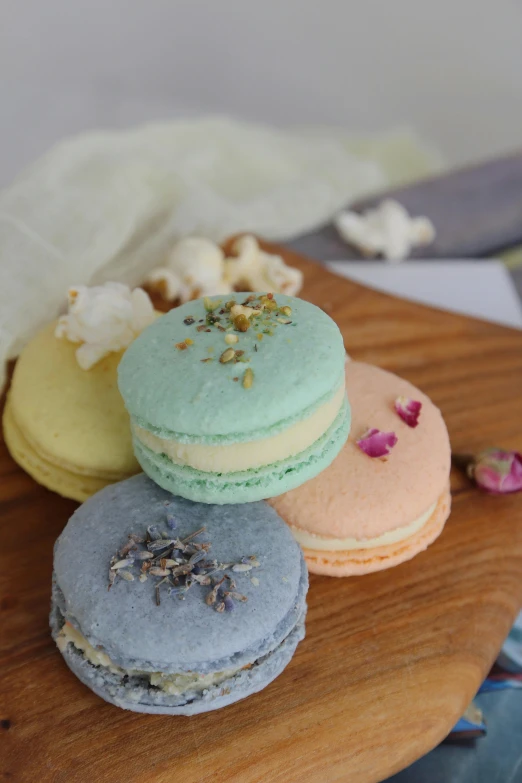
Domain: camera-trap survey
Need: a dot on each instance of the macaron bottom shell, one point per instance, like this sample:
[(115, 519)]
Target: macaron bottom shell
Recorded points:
[(136, 694), (250, 485), (57, 478), (366, 561)]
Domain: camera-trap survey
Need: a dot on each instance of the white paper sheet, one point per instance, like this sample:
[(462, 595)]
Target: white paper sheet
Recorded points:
[(483, 289)]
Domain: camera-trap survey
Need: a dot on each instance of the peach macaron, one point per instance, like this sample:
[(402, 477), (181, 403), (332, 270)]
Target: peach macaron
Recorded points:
[(386, 496)]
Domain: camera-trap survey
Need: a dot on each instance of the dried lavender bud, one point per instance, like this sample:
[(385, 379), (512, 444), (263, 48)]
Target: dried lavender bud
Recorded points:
[(153, 532), (193, 535), (130, 545), (189, 321), (121, 564), (171, 522), (162, 543), (112, 577), (180, 564), (202, 579), (144, 555), (238, 597)]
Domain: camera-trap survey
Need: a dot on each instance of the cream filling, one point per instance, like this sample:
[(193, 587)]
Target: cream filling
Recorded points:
[(173, 684), (311, 541), (235, 457)]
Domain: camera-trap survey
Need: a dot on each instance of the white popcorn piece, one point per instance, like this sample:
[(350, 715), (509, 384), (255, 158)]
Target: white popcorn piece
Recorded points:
[(198, 267), (194, 268), (386, 230), (255, 270), (104, 319)]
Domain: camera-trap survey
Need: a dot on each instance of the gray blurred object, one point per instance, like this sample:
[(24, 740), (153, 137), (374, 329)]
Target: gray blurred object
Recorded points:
[(476, 211)]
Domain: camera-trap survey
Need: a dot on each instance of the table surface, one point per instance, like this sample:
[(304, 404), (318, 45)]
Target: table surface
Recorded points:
[(485, 289), (390, 660)]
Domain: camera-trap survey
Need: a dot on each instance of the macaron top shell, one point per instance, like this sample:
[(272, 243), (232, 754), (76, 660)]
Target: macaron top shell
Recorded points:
[(179, 393), (362, 497), (75, 417), (179, 635)]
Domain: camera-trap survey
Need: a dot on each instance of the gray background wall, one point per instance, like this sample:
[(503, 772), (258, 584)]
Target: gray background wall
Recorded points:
[(450, 68)]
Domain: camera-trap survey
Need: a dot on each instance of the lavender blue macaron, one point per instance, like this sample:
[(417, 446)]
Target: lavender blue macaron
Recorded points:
[(194, 619)]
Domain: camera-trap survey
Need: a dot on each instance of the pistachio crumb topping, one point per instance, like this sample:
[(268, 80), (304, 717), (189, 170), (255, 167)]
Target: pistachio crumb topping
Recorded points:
[(262, 312), (227, 356), (241, 323), (248, 312), (209, 305)]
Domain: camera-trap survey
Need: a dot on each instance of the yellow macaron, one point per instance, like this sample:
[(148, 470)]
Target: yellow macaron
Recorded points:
[(67, 426)]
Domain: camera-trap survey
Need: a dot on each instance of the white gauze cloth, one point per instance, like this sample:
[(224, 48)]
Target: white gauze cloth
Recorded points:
[(110, 205)]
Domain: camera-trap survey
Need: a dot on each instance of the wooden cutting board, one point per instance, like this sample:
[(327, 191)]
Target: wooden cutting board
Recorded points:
[(390, 660)]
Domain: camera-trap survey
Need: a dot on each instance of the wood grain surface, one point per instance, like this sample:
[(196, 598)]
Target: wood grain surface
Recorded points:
[(390, 660)]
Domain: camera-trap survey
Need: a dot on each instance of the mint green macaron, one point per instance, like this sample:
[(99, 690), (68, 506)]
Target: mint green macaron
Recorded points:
[(236, 400)]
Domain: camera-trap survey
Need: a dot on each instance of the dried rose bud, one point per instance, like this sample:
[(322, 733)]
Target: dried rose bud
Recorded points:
[(496, 471), (409, 410), (375, 443)]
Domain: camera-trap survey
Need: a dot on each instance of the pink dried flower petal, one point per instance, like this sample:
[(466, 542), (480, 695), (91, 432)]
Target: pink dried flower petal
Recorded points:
[(497, 471), (375, 443), (409, 410)]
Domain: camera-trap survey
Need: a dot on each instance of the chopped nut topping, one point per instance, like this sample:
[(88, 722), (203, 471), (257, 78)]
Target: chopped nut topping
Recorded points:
[(230, 339), (248, 312), (241, 323), (248, 378), (227, 356), (210, 305)]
